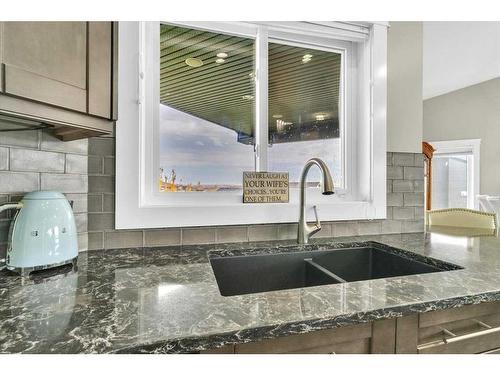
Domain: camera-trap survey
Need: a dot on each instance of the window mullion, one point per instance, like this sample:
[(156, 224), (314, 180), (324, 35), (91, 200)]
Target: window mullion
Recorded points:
[(261, 99)]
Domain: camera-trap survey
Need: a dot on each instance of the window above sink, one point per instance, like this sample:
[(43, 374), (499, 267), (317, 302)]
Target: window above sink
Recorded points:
[(214, 99)]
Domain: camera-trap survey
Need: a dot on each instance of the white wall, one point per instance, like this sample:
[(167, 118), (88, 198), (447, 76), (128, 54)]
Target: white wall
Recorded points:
[(404, 87), (459, 54), (470, 113)]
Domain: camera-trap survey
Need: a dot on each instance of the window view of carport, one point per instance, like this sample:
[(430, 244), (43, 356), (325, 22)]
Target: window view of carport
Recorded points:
[(208, 109)]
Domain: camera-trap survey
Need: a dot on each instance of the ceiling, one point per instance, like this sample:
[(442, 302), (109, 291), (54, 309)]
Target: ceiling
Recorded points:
[(459, 54), (303, 84)]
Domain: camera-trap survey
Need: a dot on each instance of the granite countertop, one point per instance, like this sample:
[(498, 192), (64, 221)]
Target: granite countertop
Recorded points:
[(166, 300)]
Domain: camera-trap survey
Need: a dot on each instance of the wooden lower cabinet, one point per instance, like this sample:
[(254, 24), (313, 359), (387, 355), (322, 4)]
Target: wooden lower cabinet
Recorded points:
[(470, 329), (358, 339)]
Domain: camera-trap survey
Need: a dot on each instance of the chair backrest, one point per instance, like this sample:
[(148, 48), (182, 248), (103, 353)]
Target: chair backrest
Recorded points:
[(462, 217)]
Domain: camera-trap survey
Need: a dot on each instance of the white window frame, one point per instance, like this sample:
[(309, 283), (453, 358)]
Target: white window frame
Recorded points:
[(466, 146), (138, 203)]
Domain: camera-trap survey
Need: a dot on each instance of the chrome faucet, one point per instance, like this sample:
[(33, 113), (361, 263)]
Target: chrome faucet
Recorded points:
[(307, 230)]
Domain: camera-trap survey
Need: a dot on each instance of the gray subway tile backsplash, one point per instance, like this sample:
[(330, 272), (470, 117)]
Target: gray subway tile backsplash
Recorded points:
[(101, 184), (87, 178), (391, 226), (65, 183), (95, 240), (95, 203), (102, 146), (95, 165), (413, 199), (419, 160), (232, 234), (117, 240), (163, 237), (394, 199), (23, 139), (19, 182), (4, 158), (193, 236), (262, 232), (369, 227), (403, 213), (418, 186), (76, 164), (413, 173), (345, 229), (402, 186), (108, 203), (411, 226), (394, 172), (101, 179), (403, 159), (101, 221), (419, 212), (109, 166), (36, 161)]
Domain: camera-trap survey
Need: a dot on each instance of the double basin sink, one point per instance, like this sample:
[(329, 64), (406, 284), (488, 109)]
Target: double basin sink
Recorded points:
[(244, 274)]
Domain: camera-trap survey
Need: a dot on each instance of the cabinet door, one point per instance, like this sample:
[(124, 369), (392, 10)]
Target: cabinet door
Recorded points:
[(46, 62), (100, 69)]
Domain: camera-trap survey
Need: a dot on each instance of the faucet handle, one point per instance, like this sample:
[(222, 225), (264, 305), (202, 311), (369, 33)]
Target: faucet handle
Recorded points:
[(318, 223)]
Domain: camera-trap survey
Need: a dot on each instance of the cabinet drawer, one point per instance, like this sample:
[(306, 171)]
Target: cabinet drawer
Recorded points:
[(343, 340), (353, 339), (466, 330)]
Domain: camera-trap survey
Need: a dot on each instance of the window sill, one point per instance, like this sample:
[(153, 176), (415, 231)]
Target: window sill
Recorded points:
[(160, 216)]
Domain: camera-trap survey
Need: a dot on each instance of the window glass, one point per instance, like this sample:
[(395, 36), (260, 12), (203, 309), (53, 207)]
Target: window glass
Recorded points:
[(207, 104), (304, 97), (451, 180)]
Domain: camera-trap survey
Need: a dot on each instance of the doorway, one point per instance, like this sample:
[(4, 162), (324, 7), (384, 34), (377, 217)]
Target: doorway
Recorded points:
[(454, 174)]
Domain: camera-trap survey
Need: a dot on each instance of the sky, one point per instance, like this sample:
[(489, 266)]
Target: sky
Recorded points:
[(202, 151)]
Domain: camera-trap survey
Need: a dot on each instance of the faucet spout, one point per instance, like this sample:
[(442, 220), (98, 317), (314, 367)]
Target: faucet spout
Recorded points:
[(306, 230)]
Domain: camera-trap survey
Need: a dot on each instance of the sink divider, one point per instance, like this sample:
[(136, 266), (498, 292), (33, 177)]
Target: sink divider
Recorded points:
[(324, 270)]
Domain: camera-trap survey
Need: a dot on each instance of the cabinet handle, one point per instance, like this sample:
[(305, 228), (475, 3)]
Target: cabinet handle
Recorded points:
[(471, 335), (456, 338)]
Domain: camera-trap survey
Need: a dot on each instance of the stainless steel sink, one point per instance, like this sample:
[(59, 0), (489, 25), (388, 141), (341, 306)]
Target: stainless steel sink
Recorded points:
[(244, 274)]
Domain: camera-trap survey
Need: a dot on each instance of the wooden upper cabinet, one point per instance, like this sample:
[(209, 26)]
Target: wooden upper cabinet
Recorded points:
[(100, 69), (69, 66), (47, 62)]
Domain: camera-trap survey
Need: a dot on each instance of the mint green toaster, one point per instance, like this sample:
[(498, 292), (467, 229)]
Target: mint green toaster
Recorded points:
[(42, 234)]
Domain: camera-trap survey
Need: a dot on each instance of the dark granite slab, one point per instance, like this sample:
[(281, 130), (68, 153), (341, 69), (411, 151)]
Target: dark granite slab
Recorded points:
[(166, 300)]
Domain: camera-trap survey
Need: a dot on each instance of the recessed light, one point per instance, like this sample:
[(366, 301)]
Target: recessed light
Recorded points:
[(222, 55), (320, 117), (193, 62), (277, 116), (219, 61), (247, 97), (306, 58)]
